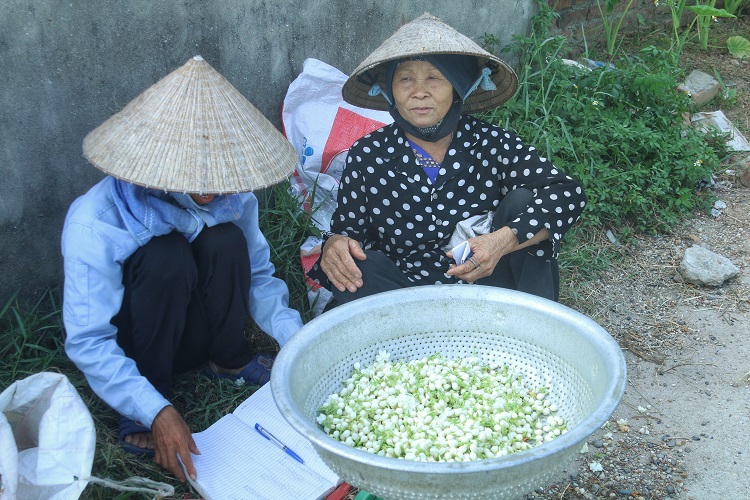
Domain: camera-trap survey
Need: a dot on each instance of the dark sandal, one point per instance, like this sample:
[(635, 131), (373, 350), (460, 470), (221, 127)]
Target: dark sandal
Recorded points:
[(129, 426), (257, 372)]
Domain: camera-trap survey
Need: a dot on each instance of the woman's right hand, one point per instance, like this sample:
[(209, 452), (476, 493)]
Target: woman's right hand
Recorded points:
[(337, 262)]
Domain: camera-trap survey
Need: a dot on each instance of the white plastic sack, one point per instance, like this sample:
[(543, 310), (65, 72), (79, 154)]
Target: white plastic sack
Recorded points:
[(322, 127), (47, 439)]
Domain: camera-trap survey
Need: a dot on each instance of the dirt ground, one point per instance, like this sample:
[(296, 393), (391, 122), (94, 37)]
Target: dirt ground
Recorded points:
[(681, 428), (684, 418)]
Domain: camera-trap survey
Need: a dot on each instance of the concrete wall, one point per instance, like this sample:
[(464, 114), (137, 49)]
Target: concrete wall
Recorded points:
[(66, 66)]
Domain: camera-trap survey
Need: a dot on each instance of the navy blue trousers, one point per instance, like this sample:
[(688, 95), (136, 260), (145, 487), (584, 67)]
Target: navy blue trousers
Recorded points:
[(186, 303)]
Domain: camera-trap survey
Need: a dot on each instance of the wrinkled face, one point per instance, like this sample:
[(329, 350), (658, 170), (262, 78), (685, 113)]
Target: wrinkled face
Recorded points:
[(202, 199), (422, 94)]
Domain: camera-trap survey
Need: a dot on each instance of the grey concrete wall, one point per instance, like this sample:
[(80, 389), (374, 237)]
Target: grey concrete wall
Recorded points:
[(66, 66)]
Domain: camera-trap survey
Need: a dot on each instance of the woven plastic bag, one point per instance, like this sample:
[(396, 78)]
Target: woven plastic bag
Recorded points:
[(47, 439), (322, 127)]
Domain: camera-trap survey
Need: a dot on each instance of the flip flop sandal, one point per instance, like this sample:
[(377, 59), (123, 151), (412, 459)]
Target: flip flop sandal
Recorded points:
[(129, 426), (257, 372)]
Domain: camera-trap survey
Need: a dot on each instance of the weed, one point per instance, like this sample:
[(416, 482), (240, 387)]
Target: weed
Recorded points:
[(31, 336), (612, 22), (705, 15), (286, 227), (618, 129), (736, 6)]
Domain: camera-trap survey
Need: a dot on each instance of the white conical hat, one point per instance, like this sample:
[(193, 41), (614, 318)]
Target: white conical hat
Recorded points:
[(191, 132), (428, 35)]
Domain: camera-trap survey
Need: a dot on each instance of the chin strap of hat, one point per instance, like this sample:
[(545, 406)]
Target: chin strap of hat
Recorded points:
[(483, 80), (377, 89)]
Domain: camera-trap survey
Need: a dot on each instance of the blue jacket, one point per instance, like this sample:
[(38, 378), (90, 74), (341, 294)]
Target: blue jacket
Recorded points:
[(95, 245)]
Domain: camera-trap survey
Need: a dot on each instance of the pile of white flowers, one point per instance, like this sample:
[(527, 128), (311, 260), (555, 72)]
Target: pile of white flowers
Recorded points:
[(439, 410)]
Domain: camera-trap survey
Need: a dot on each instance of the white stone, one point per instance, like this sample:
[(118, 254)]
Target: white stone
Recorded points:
[(717, 120), (701, 266)]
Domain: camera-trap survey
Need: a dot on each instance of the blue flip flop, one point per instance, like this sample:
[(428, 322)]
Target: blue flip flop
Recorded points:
[(129, 426), (257, 372)]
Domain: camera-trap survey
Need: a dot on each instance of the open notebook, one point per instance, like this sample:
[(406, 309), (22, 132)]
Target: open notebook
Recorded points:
[(236, 462)]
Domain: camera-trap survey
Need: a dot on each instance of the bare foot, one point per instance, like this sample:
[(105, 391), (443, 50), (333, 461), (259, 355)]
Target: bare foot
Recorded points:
[(141, 440)]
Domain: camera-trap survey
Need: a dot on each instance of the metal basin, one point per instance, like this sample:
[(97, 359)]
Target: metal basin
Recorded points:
[(547, 343)]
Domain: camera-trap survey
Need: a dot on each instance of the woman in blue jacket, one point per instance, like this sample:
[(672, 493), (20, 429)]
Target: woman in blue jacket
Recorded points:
[(162, 267)]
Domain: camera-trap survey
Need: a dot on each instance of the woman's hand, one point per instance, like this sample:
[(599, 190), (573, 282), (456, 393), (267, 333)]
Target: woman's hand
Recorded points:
[(173, 441), (337, 262), (488, 249)]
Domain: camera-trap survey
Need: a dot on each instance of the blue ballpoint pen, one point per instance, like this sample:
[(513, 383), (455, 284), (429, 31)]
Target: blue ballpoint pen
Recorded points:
[(263, 432)]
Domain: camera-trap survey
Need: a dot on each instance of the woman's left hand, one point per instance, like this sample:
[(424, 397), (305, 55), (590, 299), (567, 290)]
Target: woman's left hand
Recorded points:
[(487, 250)]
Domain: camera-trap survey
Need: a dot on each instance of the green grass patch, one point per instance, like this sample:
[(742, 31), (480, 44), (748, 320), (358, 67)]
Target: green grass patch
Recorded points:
[(619, 130)]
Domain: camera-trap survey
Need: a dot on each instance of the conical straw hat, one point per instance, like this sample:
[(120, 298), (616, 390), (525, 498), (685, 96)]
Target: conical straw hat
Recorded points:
[(191, 132), (428, 35)]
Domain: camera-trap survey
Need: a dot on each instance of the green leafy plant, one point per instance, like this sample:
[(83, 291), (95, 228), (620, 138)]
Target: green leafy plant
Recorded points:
[(676, 8), (728, 96), (611, 22), (738, 46), (619, 130), (704, 16), (735, 6)]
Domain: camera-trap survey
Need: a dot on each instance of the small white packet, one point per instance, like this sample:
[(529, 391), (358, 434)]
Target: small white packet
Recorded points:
[(461, 252)]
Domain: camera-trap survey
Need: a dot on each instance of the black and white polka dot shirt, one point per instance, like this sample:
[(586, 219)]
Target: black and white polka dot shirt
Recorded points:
[(387, 203)]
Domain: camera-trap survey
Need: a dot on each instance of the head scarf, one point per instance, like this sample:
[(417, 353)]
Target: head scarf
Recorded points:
[(460, 70)]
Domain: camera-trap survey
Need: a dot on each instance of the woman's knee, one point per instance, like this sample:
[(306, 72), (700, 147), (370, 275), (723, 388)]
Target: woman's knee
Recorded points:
[(223, 239), (379, 274), (512, 204), (375, 262), (164, 259)]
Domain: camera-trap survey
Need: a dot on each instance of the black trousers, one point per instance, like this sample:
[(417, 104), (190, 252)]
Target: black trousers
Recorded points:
[(186, 303), (518, 270), (522, 270)]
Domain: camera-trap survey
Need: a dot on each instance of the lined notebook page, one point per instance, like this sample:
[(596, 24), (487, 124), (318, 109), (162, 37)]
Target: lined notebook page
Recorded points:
[(238, 463)]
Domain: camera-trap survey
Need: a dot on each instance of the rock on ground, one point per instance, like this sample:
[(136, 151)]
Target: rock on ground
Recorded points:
[(701, 266)]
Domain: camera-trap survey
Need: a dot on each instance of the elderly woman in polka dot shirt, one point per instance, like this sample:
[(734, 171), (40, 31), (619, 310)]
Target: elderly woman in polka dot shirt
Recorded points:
[(407, 186)]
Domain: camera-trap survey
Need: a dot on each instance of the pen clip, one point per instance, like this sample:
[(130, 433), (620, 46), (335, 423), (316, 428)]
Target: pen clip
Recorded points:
[(262, 431)]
